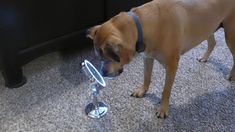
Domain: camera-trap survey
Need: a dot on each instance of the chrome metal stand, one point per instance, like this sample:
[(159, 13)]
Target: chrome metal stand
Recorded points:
[(95, 109)]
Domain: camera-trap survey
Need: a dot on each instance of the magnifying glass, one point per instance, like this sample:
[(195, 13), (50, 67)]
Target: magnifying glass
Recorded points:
[(92, 73), (95, 109)]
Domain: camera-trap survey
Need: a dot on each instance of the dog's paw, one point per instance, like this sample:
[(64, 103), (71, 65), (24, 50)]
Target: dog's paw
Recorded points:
[(203, 59), (162, 112), (139, 92)]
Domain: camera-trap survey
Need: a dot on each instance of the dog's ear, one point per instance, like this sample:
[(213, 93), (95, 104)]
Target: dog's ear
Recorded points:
[(91, 32), (112, 52)]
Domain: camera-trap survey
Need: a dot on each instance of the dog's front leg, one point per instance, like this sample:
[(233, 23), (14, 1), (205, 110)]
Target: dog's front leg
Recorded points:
[(148, 67), (171, 68)]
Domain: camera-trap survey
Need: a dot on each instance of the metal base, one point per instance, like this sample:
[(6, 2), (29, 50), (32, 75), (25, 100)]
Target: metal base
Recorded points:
[(96, 112)]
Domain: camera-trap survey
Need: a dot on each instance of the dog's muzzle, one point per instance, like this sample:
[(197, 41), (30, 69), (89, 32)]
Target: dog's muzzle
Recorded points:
[(104, 70)]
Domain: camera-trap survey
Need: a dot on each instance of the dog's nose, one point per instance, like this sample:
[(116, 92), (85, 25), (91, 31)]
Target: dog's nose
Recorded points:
[(120, 71), (104, 72)]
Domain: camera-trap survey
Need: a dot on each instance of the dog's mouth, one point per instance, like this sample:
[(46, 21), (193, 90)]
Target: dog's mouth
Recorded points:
[(106, 73)]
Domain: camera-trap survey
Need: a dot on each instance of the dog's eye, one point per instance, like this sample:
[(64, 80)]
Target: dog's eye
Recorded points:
[(113, 55)]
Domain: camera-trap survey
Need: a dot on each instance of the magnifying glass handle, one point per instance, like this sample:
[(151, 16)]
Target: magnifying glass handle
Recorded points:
[(95, 93)]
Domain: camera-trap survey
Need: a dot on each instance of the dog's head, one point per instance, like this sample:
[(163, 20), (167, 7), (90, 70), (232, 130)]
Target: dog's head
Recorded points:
[(114, 43)]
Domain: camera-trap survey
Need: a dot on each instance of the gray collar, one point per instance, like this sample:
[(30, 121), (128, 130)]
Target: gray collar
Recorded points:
[(140, 47)]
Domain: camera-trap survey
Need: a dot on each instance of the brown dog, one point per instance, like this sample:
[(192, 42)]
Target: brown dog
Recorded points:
[(170, 28)]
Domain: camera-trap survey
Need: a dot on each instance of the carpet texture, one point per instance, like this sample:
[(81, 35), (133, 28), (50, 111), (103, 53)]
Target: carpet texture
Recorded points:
[(57, 92)]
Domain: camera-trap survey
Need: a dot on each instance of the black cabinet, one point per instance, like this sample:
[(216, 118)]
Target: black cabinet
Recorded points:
[(29, 29)]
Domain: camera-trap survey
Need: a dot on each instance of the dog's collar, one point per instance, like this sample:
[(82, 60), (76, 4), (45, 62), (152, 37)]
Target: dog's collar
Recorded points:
[(140, 47)]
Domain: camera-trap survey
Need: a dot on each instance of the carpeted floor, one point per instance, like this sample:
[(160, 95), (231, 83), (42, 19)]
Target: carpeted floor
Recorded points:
[(57, 92)]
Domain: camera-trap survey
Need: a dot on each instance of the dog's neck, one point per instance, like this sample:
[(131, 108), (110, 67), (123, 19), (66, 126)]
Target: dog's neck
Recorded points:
[(140, 47), (126, 29)]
